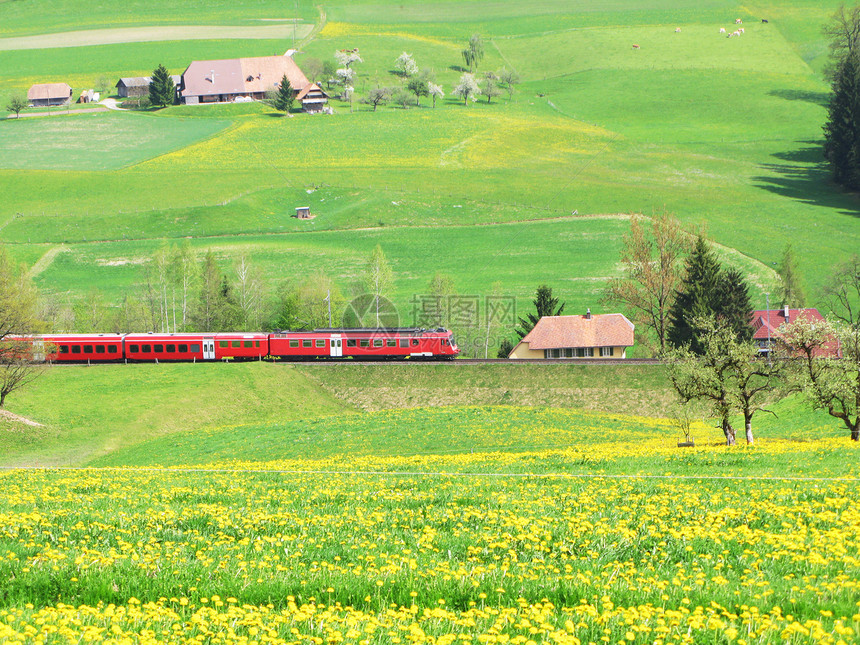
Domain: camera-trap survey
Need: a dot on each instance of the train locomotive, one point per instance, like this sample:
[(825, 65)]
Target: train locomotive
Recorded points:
[(399, 343)]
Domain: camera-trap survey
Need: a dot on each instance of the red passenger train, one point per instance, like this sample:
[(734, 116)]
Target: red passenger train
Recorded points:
[(320, 344)]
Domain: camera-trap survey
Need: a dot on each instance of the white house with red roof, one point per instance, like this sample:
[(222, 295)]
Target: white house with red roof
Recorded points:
[(588, 336), (767, 326)]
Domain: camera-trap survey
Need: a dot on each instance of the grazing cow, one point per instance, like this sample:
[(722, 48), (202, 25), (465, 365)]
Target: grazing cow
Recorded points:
[(677, 30), (738, 21), (764, 20), (736, 33), (722, 30), (635, 46), (741, 30)]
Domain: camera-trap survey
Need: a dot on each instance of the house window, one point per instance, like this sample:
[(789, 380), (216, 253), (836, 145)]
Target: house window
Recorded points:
[(584, 352), (606, 351)]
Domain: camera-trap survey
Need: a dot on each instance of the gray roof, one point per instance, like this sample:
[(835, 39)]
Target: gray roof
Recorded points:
[(141, 81)]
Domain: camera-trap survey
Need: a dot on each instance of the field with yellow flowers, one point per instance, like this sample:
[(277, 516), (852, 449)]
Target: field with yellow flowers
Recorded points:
[(558, 527)]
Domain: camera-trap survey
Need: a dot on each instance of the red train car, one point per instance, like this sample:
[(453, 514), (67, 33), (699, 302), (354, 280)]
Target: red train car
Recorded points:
[(366, 344), (196, 347), (81, 348)]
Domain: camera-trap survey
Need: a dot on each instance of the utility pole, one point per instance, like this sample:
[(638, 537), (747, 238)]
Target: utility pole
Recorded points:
[(767, 319)]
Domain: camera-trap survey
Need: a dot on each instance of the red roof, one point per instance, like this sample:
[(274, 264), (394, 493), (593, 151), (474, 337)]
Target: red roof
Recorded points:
[(767, 322), (595, 330)]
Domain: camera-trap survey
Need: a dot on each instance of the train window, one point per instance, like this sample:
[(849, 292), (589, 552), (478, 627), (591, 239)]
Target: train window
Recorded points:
[(414, 342), (350, 342), (195, 347), (112, 349), (159, 349), (64, 349), (377, 342), (294, 343), (145, 349), (100, 349), (307, 343), (248, 343), (76, 349), (364, 343), (223, 343), (171, 349), (183, 349), (236, 343), (256, 343), (320, 342), (391, 342), (404, 342), (133, 349), (88, 349)]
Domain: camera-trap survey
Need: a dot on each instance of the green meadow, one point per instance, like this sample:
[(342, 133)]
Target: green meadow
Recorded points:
[(533, 188)]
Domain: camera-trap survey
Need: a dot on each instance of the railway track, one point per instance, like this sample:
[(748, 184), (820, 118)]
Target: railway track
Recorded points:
[(451, 363)]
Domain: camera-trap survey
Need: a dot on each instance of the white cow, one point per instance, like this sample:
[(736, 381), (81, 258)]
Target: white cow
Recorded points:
[(738, 21), (736, 33), (722, 30), (677, 30), (741, 30)]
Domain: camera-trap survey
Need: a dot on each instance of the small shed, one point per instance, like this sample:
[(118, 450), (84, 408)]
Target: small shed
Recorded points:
[(304, 212)]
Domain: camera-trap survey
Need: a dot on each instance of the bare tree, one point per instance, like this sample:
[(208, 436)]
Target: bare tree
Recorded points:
[(653, 271), (18, 305), (250, 293), (843, 30), (843, 292), (377, 96), (378, 277)]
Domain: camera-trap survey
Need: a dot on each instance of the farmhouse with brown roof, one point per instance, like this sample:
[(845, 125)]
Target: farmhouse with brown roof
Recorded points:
[(768, 323), (588, 336), (219, 81), (134, 86), (45, 94)]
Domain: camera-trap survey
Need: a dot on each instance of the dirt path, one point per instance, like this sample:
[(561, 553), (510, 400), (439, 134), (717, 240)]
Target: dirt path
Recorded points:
[(24, 114), (45, 261), (19, 419), (90, 37)]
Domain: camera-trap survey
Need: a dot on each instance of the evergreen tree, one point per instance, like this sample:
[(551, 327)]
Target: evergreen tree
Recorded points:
[(505, 348), (284, 97), (733, 307), (545, 305), (696, 298), (162, 90), (791, 285), (841, 132)]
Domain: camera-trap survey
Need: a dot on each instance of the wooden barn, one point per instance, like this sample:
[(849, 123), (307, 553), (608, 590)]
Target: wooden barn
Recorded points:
[(47, 94)]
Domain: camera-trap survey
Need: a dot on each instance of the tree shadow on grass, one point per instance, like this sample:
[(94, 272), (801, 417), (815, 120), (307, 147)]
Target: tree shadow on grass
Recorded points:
[(818, 98), (803, 175)]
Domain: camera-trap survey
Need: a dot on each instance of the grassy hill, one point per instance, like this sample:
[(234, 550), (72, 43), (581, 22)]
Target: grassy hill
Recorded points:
[(724, 132)]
